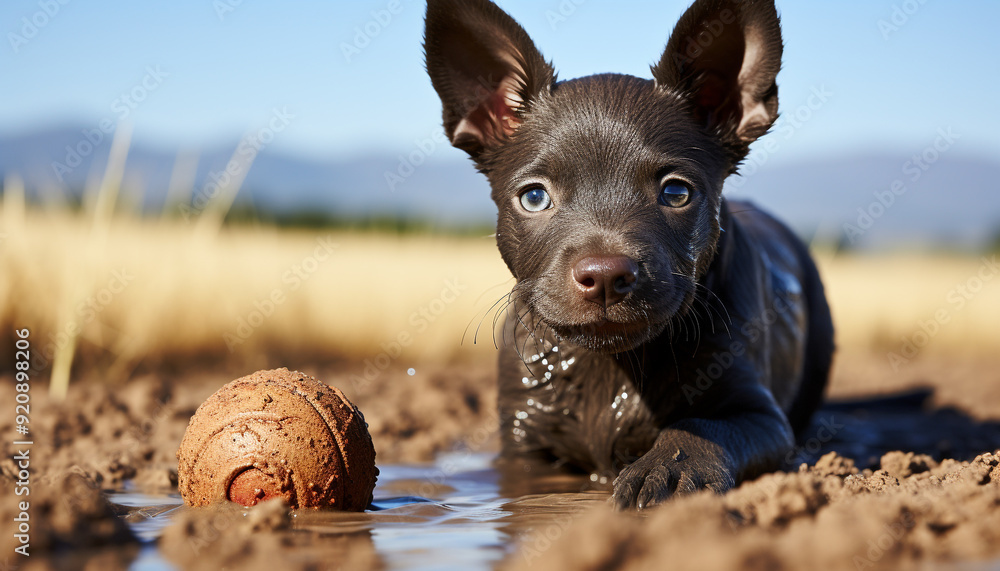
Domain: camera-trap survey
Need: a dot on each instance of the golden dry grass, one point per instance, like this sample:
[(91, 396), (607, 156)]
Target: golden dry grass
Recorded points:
[(184, 294), (938, 304), (245, 292)]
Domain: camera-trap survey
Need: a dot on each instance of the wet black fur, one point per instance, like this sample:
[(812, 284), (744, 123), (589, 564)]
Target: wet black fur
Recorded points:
[(709, 273)]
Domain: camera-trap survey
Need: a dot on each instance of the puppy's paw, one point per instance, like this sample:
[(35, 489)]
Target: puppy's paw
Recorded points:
[(660, 474)]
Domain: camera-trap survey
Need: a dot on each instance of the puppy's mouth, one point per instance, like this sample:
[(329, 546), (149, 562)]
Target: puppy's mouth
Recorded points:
[(605, 336)]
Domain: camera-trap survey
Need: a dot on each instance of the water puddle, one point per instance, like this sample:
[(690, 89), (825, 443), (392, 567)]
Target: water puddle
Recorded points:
[(452, 514)]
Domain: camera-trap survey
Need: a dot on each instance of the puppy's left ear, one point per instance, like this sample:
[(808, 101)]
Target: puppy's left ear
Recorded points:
[(724, 55)]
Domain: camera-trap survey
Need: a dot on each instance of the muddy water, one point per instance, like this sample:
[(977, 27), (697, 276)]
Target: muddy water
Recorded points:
[(462, 513), (453, 514)]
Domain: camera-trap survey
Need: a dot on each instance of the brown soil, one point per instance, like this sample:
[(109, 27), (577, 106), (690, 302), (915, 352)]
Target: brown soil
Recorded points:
[(132, 432), (68, 514), (868, 507), (827, 516), (222, 537)]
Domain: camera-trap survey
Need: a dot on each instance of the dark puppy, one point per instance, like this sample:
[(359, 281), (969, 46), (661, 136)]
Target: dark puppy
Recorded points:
[(656, 333)]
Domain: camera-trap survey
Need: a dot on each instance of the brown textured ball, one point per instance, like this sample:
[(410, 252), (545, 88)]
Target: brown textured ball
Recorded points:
[(277, 434)]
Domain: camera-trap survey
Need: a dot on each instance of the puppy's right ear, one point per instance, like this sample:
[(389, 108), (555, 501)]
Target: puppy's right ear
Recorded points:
[(724, 56), (485, 68)]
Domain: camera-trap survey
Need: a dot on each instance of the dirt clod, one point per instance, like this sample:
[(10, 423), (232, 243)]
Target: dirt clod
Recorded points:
[(827, 516)]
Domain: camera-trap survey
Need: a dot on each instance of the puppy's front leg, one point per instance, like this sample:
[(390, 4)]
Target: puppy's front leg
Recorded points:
[(746, 435)]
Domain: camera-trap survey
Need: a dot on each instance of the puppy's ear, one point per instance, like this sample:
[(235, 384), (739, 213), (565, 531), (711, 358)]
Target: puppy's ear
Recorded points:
[(485, 68), (724, 56)]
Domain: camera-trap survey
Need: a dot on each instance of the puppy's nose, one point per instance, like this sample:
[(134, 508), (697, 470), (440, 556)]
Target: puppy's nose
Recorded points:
[(606, 280)]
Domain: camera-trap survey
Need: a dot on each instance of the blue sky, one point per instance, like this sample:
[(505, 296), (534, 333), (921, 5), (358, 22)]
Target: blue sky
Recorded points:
[(223, 74)]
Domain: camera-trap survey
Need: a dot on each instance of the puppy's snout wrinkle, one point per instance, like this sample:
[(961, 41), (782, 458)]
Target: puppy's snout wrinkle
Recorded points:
[(606, 280)]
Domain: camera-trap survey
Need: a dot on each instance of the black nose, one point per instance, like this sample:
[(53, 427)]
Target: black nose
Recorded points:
[(606, 280)]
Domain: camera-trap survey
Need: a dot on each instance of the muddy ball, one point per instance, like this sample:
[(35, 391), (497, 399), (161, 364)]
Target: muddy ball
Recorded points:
[(278, 434)]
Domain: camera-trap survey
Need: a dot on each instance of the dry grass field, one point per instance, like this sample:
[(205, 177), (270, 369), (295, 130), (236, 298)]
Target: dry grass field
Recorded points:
[(128, 292)]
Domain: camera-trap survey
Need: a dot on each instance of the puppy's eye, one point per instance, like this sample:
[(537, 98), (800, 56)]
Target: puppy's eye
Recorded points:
[(535, 200), (675, 194)]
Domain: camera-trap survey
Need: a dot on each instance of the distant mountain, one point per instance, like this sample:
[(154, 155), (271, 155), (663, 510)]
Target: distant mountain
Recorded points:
[(953, 203), (418, 184)]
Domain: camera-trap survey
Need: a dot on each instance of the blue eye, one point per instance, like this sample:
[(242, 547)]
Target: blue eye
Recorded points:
[(536, 200), (675, 194)]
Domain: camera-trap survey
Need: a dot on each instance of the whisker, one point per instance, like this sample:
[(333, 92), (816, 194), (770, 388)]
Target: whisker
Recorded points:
[(475, 337)]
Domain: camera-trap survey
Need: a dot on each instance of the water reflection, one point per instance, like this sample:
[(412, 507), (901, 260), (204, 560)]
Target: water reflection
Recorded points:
[(461, 512)]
